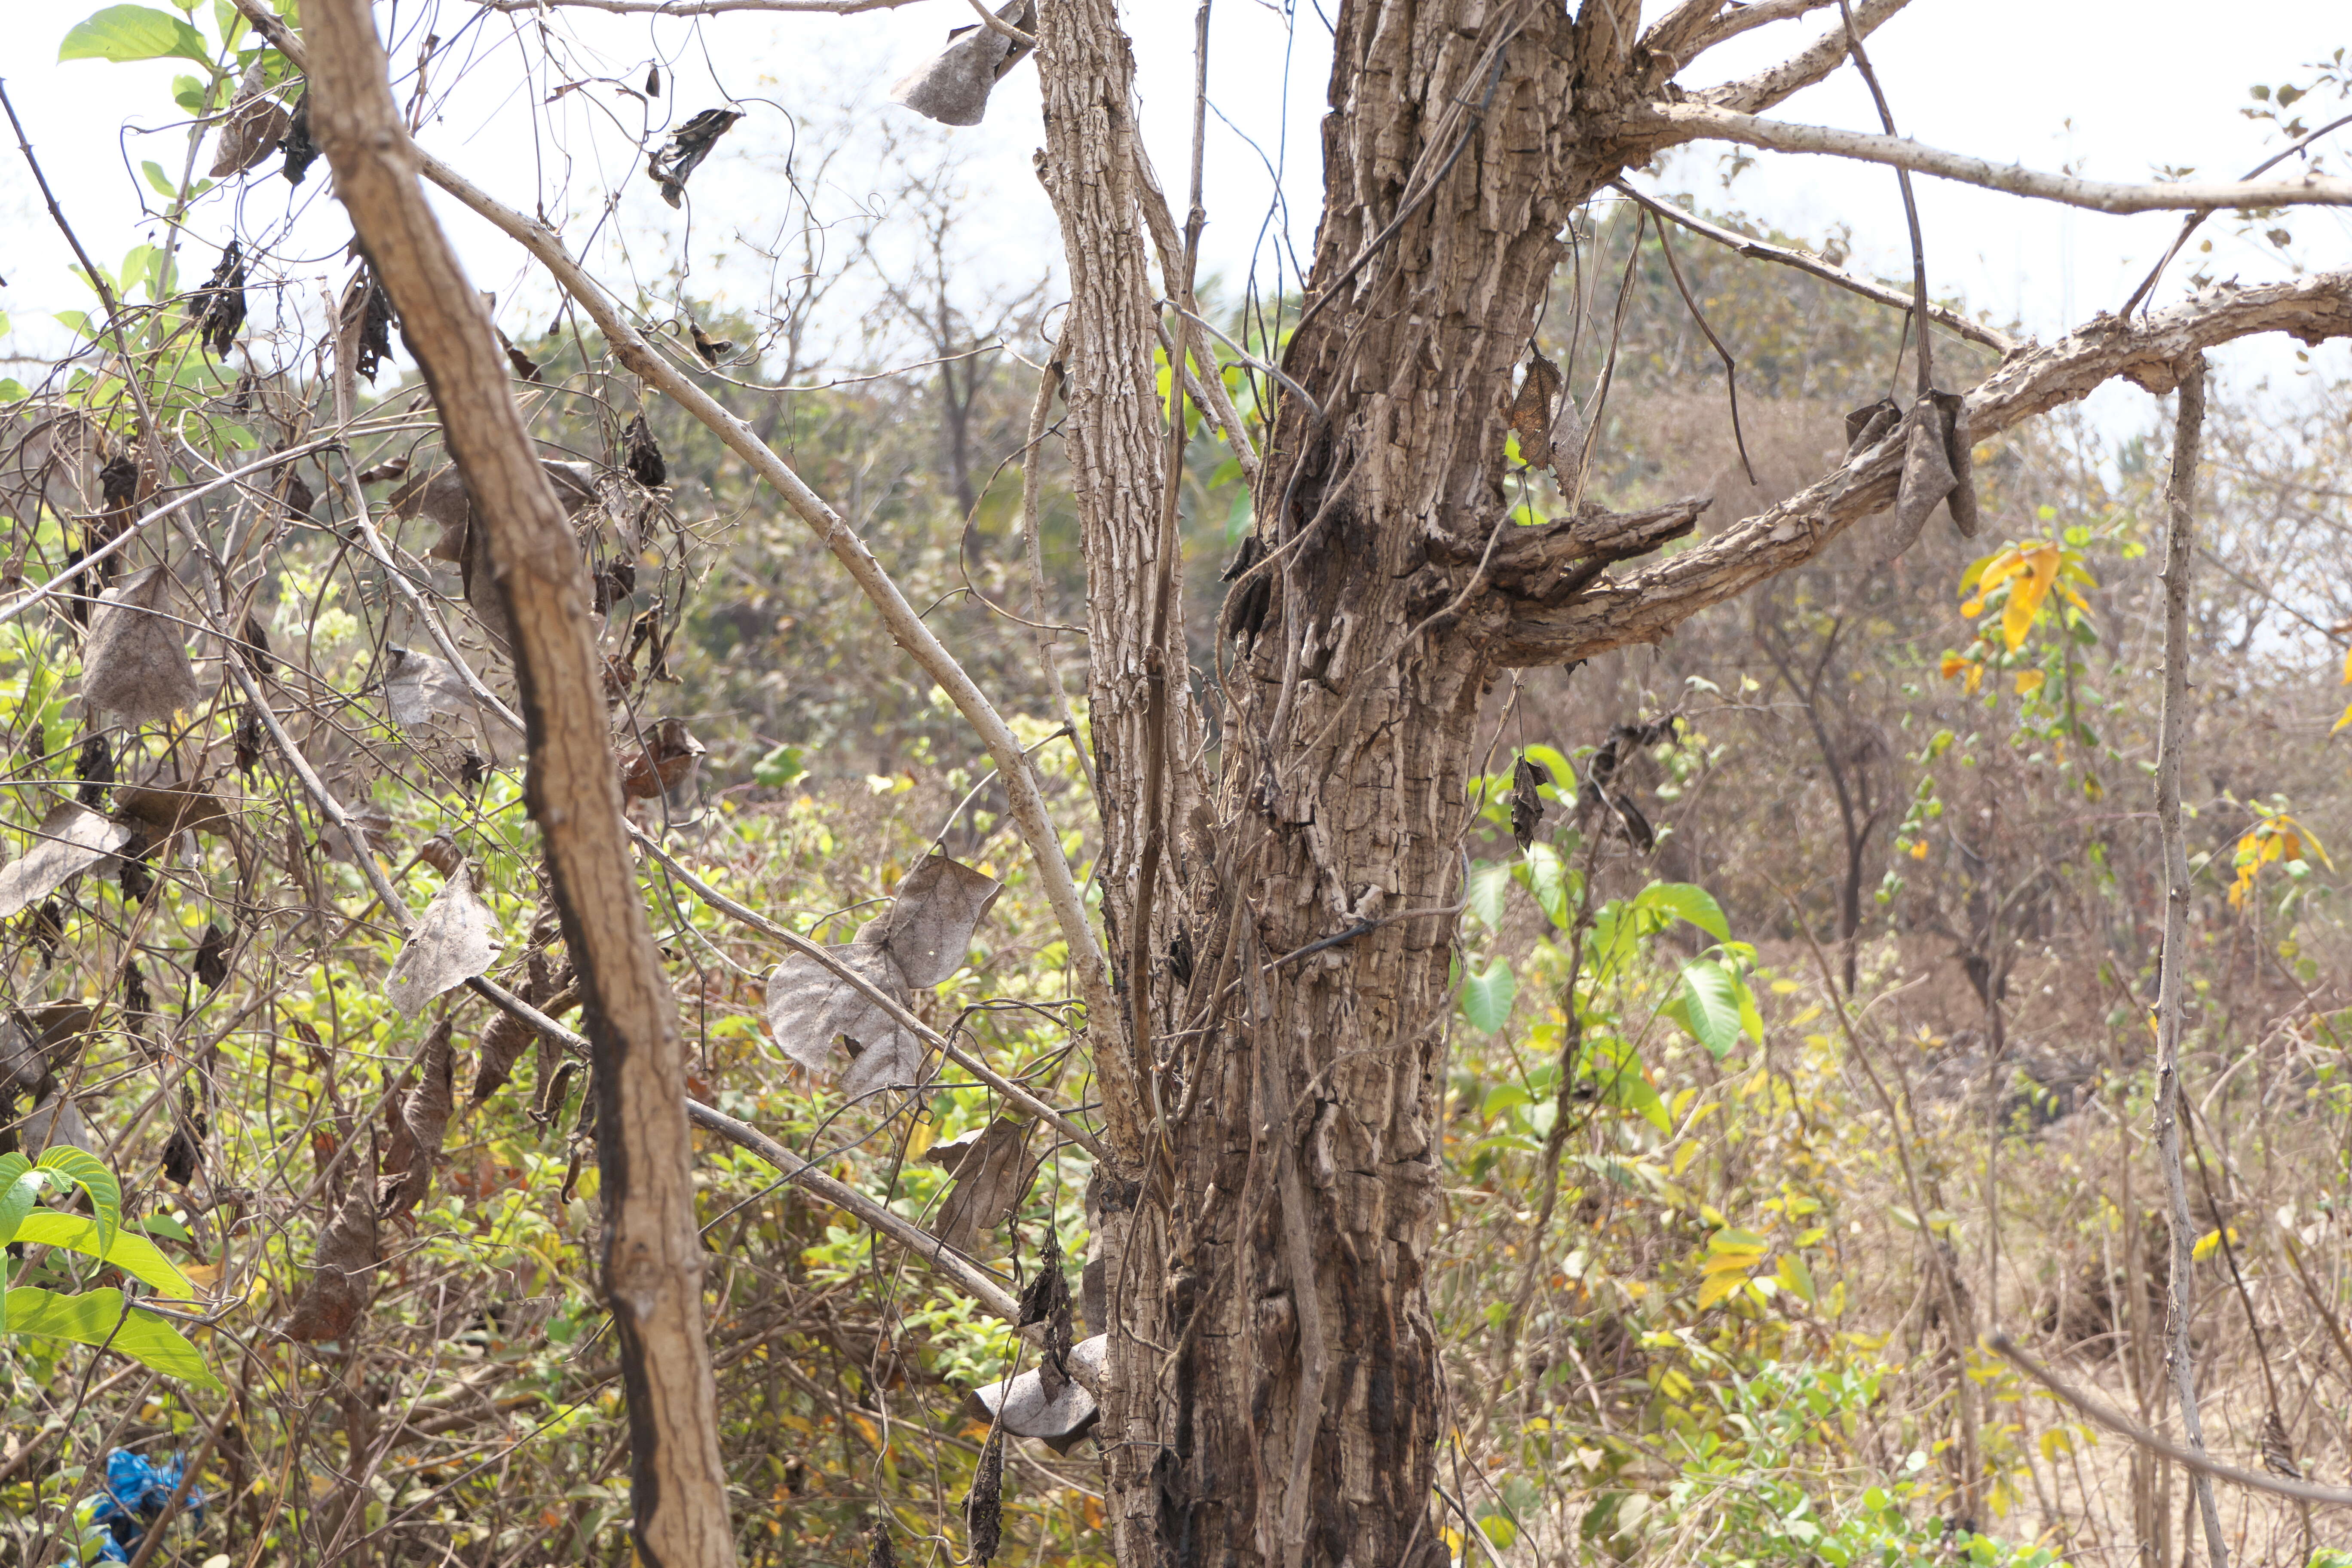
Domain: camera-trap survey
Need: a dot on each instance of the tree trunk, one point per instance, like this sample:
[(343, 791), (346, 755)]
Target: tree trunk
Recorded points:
[(1275, 1396), (653, 1267)]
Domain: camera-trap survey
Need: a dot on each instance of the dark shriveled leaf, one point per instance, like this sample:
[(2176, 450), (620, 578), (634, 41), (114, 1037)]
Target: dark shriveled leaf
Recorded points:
[(301, 150), (135, 663), (173, 807), (212, 958), (689, 146), (983, 1506), (642, 455), (222, 298), (1527, 778)]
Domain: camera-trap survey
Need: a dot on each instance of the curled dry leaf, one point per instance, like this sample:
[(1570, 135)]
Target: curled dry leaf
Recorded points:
[(223, 310), (879, 1551), (342, 1276), (1936, 468), (1527, 779), (367, 312), (420, 1121), (301, 150), (689, 144), (371, 825), (212, 957), (952, 86), (71, 838), (710, 350), (454, 940), (917, 944), (642, 455), (421, 689), (135, 663), (256, 123), (983, 1506), (1532, 410), (992, 1173), (55, 1123), (1057, 1416)]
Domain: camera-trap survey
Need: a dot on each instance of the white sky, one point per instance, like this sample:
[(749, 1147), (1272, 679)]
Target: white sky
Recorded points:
[(2115, 88)]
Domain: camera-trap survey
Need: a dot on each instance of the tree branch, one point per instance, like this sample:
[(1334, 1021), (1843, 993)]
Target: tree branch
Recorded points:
[(1680, 122), (1799, 71), (1869, 289), (652, 1258), (1647, 604)]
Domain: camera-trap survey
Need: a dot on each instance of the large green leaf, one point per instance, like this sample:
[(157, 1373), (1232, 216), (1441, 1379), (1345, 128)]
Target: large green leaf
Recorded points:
[(1707, 1006), (64, 1163), (1487, 998), (1695, 905), (131, 1252), (1547, 878), (1490, 886), (96, 1318), (1617, 1072), (133, 33)]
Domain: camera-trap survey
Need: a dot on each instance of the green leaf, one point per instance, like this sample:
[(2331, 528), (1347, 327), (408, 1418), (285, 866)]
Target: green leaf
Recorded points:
[(159, 179), (122, 33), (1547, 878), (1706, 1007), (1562, 771), (131, 1252), (1487, 998), (89, 1172), (780, 769), (190, 94), (97, 1318), (1695, 905), (1490, 886), (1751, 1018)]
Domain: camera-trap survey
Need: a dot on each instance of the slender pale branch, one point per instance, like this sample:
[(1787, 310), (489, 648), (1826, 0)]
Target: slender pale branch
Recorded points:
[(1799, 71), (1677, 122), (1869, 289), (698, 7), (1645, 605), (905, 627)]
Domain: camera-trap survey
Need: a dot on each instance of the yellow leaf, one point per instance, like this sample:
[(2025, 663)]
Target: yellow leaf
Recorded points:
[(1715, 1286), (1975, 679), (1919, 850), (1953, 664), (1972, 608), (2030, 681)]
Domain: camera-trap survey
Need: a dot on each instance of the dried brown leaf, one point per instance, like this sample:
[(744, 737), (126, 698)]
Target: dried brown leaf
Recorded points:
[(1057, 1412), (930, 925), (454, 940), (689, 144), (420, 1121), (212, 957), (342, 1275), (983, 1506), (71, 838), (135, 663), (301, 150), (178, 805), (1532, 409), (642, 455), (665, 766), (1928, 477), (992, 1172), (254, 127)]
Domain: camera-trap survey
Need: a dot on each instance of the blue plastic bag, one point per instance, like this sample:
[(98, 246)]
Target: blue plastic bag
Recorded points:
[(134, 1498)]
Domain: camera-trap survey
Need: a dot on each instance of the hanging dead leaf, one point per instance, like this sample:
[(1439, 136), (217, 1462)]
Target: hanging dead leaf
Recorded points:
[(1867, 425), (983, 1506), (253, 643), (55, 1123), (371, 825), (367, 312), (223, 310), (1532, 410), (1057, 1412), (952, 86), (212, 958), (256, 123), (342, 1275), (441, 853), (879, 1553), (71, 837), (248, 743), (135, 663), (420, 1121), (183, 1155), (1958, 449), (1046, 1300), (1527, 778), (385, 472), (689, 144), (928, 927), (454, 940), (419, 689), (992, 1175), (653, 81), (1927, 476), (642, 455), (301, 150)]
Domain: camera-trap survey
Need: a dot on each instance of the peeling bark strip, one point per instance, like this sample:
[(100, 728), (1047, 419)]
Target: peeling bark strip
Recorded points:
[(652, 1265)]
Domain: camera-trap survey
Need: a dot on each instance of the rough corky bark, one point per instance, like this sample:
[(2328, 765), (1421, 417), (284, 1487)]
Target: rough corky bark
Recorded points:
[(652, 1263), (1275, 1393)]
